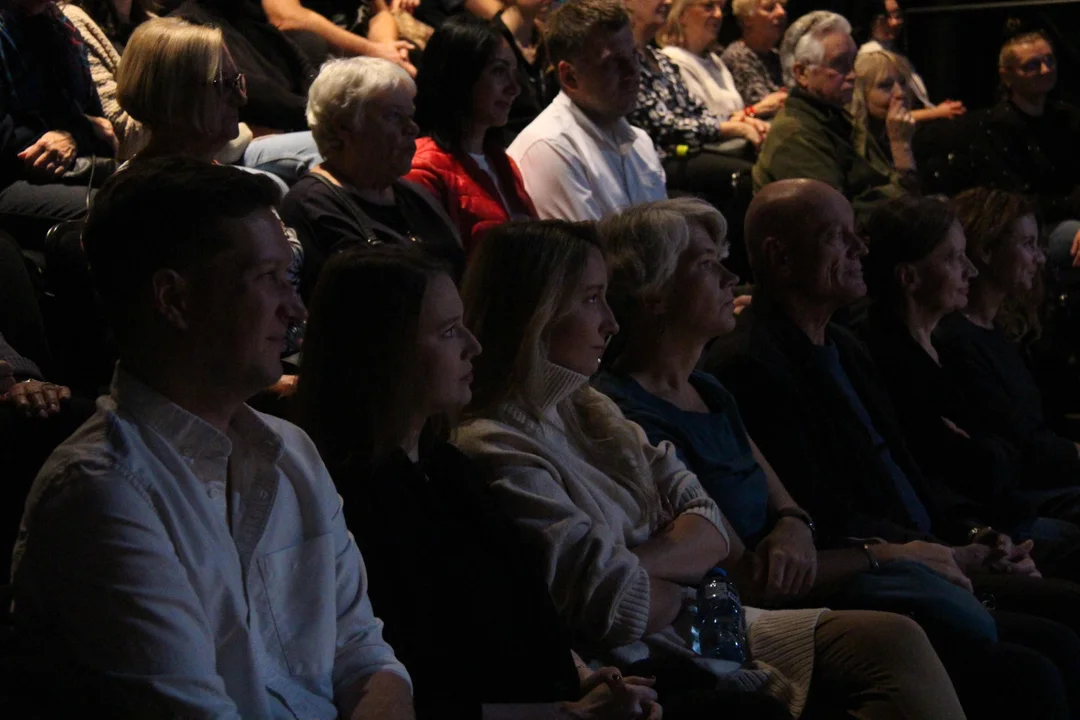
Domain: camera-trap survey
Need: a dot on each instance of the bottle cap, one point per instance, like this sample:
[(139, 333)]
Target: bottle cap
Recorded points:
[(682, 150), (716, 572)]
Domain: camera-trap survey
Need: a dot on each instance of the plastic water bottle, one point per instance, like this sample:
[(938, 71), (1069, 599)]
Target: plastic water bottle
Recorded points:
[(719, 626)]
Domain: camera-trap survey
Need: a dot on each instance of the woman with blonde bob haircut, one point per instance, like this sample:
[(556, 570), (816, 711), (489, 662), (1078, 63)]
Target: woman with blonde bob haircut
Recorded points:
[(179, 80), (624, 528)]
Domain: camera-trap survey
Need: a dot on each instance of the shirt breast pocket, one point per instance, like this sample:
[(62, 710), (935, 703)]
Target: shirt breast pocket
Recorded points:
[(300, 584)]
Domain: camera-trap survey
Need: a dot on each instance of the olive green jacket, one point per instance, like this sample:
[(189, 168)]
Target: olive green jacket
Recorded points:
[(810, 138)]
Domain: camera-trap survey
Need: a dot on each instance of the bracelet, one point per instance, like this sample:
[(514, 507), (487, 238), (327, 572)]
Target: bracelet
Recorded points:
[(801, 515), (749, 111), (875, 564)]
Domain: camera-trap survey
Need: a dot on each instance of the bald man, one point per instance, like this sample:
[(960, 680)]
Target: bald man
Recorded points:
[(809, 395)]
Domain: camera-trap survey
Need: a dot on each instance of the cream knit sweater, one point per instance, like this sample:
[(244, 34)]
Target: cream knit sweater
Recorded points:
[(586, 523)]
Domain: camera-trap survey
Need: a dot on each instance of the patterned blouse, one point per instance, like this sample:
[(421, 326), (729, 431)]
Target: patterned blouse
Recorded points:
[(667, 112), (755, 75)]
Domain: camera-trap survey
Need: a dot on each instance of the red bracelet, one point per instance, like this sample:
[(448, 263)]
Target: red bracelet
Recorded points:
[(749, 111)]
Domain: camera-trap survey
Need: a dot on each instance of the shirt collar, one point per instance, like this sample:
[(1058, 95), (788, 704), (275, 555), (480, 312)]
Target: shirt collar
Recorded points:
[(191, 436), (621, 138)]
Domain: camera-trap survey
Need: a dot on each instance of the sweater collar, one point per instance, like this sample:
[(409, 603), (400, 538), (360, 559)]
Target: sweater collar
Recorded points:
[(558, 383)]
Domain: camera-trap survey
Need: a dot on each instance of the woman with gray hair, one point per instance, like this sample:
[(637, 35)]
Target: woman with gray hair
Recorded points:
[(752, 59), (361, 114)]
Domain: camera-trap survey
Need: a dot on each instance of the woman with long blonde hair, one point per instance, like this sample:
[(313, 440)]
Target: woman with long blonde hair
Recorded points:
[(880, 107), (624, 528)]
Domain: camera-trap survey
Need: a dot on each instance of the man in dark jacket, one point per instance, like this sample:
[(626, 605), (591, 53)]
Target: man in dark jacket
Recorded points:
[(811, 137)]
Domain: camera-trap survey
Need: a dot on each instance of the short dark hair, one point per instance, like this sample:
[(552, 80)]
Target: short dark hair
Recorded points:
[(570, 28), (454, 58), (162, 213), (903, 230), (356, 392)]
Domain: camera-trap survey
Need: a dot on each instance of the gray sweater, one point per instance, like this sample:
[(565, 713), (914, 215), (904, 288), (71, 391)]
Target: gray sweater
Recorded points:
[(25, 368)]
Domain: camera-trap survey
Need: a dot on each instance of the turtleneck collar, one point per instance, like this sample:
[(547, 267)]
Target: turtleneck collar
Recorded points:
[(557, 384)]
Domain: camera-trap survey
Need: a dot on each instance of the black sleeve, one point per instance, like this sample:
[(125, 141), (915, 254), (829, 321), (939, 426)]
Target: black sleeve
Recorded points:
[(321, 224)]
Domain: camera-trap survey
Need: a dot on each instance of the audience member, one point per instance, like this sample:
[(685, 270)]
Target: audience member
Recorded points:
[(464, 93), (811, 137), (918, 273), (810, 397), (206, 535), (361, 114), (522, 24), (886, 22), (580, 158), (378, 398), (325, 28), (624, 527), (179, 80), (276, 72), (1026, 142), (753, 59), (689, 138), (672, 296), (689, 40), (105, 26), (999, 395), (883, 125), (51, 119)]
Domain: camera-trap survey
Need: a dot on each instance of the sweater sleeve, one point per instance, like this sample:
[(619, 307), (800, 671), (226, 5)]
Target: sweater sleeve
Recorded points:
[(598, 586), (104, 61)]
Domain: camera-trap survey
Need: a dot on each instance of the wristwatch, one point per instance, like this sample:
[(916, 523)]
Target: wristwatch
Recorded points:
[(801, 515)]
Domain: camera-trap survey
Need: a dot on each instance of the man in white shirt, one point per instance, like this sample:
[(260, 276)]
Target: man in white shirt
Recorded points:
[(183, 550), (580, 158)]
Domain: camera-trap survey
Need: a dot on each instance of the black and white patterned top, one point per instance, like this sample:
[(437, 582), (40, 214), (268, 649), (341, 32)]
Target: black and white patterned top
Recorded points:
[(755, 75), (666, 110)]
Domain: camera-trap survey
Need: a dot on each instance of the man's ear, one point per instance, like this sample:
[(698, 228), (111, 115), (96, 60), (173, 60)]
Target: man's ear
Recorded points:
[(776, 253), (568, 78), (800, 72), (170, 297)]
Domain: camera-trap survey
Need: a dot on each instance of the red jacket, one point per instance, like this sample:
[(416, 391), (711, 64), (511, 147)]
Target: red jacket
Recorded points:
[(468, 193)]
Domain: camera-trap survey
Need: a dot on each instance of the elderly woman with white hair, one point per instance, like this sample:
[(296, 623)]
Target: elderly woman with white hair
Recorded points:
[(812, 137), (361, 114), (753, 59)]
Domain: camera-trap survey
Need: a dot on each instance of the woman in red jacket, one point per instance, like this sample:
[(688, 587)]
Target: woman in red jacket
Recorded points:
[(464, 91)]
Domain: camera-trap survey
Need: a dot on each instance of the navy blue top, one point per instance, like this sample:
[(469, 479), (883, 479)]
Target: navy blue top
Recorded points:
[(713, 445), (828, 360)]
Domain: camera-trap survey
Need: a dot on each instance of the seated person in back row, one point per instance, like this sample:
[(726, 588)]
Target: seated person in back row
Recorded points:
[(580, 158), (811, 137), (207, 536), (361, 114)]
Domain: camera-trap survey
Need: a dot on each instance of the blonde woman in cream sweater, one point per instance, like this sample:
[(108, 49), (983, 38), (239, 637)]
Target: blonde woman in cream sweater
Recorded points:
[(625, 529)]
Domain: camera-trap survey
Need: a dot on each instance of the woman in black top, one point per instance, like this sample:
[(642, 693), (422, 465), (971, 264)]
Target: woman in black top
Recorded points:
[(464, 610), (520, 24), (1000, 394), (918, 273), (361, 114)]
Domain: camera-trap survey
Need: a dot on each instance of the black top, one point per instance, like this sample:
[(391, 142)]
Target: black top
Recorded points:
[(815, 440), (1000, 397), (277, 74), (326, 221), (1014, 151), (538, 86), (983, 467), (465, 606)]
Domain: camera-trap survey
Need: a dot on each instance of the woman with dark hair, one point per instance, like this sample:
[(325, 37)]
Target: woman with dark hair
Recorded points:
[(464, 605), (982, 361), (464, 92), (520, 23)]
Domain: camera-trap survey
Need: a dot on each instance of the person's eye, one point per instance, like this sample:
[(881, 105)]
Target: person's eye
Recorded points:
[(593, 299), (450, 332)]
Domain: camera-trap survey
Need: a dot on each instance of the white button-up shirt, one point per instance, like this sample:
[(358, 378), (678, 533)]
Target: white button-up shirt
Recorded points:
[(574, 170), (200, 574)]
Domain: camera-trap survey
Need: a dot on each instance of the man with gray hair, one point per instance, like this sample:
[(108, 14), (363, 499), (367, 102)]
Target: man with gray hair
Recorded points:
[(812, 136)]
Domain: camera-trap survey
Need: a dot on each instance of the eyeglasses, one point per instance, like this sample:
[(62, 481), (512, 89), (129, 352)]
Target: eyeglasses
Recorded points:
[(237, 83), (1035, 64)]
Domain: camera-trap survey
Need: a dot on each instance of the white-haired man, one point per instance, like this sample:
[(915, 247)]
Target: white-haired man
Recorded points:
[(812, 136)]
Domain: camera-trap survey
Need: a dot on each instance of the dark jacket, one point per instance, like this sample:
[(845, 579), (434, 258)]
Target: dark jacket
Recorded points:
[(813, 139), (464, 605), (818, 446), (1001, 397), (1037, 156), (277, 74), (983, 467)]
